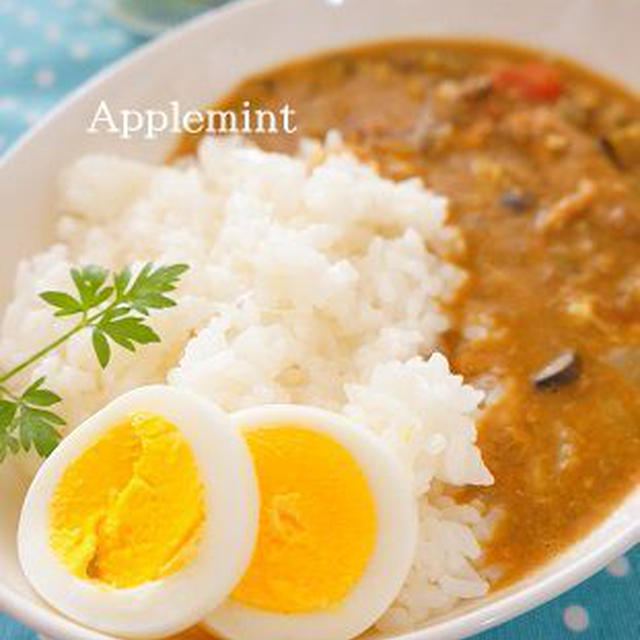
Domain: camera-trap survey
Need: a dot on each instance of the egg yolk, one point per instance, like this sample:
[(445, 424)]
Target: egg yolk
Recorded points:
[(317, 525), (129, 509)]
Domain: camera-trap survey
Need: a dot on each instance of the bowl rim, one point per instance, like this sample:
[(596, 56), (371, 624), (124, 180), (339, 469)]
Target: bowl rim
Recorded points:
[(468, 623), (463, 624)]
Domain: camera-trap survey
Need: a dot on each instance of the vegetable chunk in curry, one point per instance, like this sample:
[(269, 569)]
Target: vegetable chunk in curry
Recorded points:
[(541, 162)]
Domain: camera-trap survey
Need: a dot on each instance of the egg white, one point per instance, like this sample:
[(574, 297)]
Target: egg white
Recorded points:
[(179, 600), (394, 551)]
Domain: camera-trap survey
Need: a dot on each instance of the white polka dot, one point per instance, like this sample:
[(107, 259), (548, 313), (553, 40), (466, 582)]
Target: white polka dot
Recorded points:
[(8, 103), (44, 77), (619, 567), (52, 33), (16, 56), (79, 50), (575, 618), (28, 17)]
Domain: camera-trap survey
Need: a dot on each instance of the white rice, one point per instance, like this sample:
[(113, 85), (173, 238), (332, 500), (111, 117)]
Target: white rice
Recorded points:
[(312, 280)]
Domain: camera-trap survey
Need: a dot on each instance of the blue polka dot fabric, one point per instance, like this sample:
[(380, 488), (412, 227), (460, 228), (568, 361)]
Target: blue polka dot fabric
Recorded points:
[(48, 47)]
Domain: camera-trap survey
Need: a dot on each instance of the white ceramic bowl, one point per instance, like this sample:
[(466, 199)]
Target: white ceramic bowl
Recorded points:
[(206, 57)]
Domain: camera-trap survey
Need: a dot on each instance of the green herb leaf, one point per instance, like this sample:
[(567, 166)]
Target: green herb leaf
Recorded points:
[(38, 396), (128, 331), (8, 444), (67, 305), (113, 313), (115, 308), (121, 280), (101, 347), (7, 413), (88, 282), (47, 416), (102, 296), (36, 427), (148, 289)]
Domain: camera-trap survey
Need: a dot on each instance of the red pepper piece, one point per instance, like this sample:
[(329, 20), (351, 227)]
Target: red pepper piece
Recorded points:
[(534, 81)]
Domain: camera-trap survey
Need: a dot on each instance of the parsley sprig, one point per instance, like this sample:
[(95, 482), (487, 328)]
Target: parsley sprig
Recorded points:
[(114, 307)]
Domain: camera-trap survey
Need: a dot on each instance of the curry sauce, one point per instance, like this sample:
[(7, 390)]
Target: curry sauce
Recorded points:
[(541, 162)]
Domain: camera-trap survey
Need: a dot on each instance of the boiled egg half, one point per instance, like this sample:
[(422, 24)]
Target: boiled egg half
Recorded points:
[(337, 529), (144, 518)]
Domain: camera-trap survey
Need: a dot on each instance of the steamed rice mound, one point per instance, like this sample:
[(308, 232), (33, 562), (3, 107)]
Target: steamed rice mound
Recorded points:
[(313, 280)]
